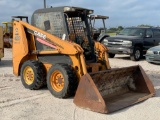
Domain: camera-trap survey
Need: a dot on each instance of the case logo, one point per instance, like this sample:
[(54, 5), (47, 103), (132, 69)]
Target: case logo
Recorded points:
[(41, 35)]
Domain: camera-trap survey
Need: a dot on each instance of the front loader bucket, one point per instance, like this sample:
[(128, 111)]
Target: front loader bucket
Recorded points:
[(111, 90)]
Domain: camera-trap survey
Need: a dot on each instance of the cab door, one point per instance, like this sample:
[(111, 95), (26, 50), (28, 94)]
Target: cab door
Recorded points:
[(148, 41), (156, 35)]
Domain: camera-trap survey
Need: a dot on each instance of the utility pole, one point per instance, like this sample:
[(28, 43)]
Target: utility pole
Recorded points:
[(44, 3)]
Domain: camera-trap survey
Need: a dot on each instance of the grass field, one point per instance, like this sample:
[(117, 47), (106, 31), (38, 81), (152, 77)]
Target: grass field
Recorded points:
[(111, 34)]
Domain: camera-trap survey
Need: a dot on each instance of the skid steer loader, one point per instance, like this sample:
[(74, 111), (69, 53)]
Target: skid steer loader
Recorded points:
[(1, 43), (56, 49)]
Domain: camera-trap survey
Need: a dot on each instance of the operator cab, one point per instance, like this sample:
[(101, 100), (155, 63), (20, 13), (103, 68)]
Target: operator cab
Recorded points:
[(67, 23), (98, 34)]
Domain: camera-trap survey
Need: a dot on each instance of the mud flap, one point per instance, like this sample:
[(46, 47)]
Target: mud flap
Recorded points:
[(111, 90)]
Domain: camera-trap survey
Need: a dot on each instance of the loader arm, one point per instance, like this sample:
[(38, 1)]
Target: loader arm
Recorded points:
[(21, 47), (60, 45), (101, 51)]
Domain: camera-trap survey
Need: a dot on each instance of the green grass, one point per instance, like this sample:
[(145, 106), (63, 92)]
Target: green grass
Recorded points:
[(111, 34)]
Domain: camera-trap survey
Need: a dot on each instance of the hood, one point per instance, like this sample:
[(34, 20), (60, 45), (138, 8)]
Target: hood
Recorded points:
[(156, 48), (123, 37)]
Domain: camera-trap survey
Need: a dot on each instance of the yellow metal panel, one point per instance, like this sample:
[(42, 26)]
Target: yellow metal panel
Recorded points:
[(20, 46)]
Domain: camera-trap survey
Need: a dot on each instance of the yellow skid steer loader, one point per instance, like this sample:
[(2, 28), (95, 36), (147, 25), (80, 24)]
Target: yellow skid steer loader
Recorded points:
[(56, 49)]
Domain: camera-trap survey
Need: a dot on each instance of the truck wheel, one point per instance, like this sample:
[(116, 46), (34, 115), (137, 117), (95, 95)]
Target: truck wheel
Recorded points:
[(137, 53), (33, 75), (61, 81), (111, 55)]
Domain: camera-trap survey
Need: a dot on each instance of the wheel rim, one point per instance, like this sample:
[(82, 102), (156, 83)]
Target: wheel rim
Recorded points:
[(57, 81), (137, 54), (28, 75)]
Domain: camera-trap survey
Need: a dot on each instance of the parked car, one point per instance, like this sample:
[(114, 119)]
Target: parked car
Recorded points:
[(153, 55), (133, 41)]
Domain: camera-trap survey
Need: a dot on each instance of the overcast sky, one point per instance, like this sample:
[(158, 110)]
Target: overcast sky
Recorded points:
[(120, 12)]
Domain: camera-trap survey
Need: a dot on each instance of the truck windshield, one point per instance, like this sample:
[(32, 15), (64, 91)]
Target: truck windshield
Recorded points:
[(132, 32)]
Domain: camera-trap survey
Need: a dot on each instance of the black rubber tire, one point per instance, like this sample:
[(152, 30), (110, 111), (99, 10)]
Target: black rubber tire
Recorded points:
[(70, 80), (111, 55), (39, 74), (137, 54)]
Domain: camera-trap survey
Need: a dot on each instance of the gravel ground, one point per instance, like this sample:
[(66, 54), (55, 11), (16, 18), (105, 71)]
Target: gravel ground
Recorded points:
[(18, 103)]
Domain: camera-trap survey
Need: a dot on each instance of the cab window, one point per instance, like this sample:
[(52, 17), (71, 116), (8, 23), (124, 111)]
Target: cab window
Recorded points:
[(156, 32), (149, 32)]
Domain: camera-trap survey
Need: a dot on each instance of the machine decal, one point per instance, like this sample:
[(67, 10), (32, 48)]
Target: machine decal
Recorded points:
[(39, 34), (42, 36), (45, 43), (17, 37)]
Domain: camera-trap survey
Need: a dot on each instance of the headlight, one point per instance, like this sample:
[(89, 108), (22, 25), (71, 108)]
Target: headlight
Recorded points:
[(149, 52), (105, 42), (127, 43)]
